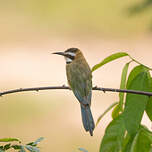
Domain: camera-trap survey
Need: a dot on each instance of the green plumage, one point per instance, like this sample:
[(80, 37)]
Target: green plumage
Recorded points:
[(80, 80)]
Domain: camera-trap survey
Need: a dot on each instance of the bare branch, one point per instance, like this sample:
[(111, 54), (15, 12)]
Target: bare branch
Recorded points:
[(66, 87)]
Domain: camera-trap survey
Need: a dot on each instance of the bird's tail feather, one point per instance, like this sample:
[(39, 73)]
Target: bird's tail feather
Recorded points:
[(87, 119)]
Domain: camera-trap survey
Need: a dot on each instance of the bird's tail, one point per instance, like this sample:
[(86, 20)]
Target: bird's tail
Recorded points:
[(87, 118)]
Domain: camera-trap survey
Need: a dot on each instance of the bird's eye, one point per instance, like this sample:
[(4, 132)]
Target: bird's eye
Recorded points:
[(70, 55)]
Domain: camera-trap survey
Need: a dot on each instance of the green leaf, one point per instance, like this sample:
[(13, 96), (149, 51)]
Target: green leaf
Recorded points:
[(16, 146), (129, 140), (116, 111), (148, 133), (150, 80), (22, 149), (7, 146), (1, 147), (32, 148), (1, 150), (149, 108), (114, 135), (142, 142), (9, 139), (149, 104), (123, 84), (108, 109), (132, 149), (136, 104), (135, 71), (109, 59), (83, 150), (36, 142)]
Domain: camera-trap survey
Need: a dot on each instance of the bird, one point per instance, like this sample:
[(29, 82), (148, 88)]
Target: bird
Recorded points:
[(79, 77)]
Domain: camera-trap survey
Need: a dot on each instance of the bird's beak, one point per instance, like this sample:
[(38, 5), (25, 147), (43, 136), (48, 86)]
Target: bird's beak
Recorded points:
[(59, 53)]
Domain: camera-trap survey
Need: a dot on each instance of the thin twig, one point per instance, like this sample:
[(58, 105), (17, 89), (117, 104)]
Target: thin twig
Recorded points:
[(65, 87), (139, 63)]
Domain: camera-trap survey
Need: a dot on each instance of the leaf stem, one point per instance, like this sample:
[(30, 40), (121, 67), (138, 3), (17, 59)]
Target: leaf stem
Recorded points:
[(139, 62)]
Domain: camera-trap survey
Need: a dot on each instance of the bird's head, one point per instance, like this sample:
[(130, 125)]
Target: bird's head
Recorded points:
[(70, 54)]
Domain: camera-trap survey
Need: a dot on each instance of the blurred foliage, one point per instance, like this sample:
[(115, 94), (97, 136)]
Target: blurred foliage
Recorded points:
[(66, 17), (140, 7), (31, 147), (83, 150)]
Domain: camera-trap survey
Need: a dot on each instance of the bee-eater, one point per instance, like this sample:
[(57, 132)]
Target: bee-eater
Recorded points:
[(80, 81)]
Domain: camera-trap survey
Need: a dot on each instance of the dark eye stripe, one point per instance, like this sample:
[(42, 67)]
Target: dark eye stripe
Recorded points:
[(70, 56)]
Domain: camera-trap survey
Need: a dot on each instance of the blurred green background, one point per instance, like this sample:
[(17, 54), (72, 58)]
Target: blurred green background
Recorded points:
[(31, 30)]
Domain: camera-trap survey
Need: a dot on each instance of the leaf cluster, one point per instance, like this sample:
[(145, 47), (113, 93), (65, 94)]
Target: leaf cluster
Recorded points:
[(141, 7), (19, 147), (125, 133)]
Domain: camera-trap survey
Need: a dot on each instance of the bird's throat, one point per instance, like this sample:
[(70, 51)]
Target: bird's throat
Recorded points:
[(68, 60)]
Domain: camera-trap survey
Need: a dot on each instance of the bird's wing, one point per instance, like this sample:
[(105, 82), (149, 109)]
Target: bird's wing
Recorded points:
[(80, 81), (82, 94)]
